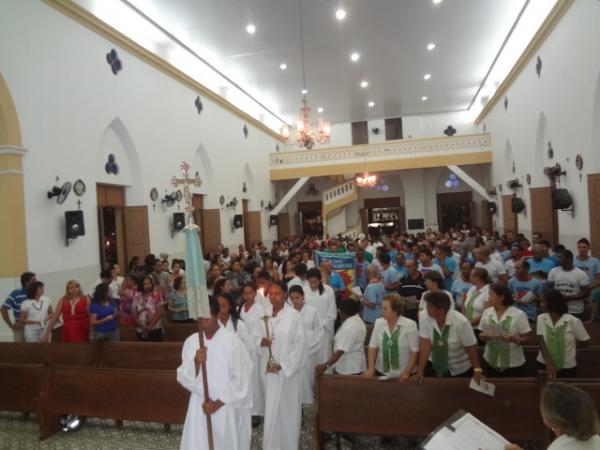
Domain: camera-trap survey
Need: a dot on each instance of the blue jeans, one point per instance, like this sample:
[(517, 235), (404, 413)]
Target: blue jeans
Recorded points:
[(112, 336)]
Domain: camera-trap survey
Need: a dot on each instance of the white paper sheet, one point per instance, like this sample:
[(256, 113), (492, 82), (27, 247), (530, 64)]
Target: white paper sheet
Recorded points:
[(469, 434)]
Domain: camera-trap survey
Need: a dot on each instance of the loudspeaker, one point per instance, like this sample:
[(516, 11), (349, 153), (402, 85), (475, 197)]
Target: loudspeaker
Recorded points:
[(74, 224), (273, 220), (178, 221), (517, 205), (492, 207), (238, 221), (561, 199)]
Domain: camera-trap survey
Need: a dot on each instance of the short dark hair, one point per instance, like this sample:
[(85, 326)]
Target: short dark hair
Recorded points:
[(213, 306), (300, 269), (566, 254), (177, 282), (33, 287), (482, 274), (555, 302), (100, 293), (26, 277), (384, 258), (503, 291), (438, 299), (281, 284), (297, 289), (544, 242), (349, 307), (435, 277), (264, 275), (426, 252), (584, 241), (525, 264), (106, 273)]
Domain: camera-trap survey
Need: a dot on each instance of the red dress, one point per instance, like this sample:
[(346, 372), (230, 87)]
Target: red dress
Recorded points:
[(76, 323)]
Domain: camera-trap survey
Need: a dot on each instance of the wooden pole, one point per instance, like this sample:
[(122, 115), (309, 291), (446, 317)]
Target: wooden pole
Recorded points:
[(209, 432)]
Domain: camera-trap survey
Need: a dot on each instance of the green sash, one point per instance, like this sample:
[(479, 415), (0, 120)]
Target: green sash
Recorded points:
[(439, 351), (555, 343), (391, 354), (470, 304), (499, 351)]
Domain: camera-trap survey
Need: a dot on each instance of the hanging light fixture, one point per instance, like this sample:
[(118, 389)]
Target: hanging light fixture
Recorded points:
[(366, 179), (306, 136)]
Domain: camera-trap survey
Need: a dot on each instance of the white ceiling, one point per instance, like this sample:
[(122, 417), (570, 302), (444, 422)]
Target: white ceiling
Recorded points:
[(390, 35)]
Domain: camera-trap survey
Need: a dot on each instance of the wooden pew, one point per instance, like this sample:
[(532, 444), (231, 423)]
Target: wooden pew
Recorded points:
[(594, 331), (140, 355), (121, 394), (178, 332), (354, 405), (84, 354), (21, 385)]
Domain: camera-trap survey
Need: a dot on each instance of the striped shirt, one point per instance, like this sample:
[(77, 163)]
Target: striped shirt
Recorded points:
[(14, 301)]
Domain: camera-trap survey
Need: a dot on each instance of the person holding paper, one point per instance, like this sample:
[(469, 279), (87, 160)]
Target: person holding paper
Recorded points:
[(558, 333), (572, 416), (504, 328), (447, 345), (394, 344)]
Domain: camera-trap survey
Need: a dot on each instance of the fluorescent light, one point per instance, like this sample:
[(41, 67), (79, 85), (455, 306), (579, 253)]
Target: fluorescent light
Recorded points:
[(340, 14), (354, 56), (283, 66), (427, 76), (250, 28), (364, 84), (430, 46), (424, 98), (304, 91), (320, 110), (371, 104), (437, 2)]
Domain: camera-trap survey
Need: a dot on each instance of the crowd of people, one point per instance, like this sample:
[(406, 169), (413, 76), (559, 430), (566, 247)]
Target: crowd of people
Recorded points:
[(428, 301)]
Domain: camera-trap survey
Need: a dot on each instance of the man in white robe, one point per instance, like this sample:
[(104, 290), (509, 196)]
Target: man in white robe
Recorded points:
[(229, 370)]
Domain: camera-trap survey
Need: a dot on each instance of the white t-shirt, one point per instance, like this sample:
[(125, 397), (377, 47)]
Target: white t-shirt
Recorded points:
[(36, 310), (490, 324), (423, 303), (460, 336), (408, 341), (350, 338), (479, 298), (565, 442), (569, 283), (432, 268), (495, 269), (574, 332)]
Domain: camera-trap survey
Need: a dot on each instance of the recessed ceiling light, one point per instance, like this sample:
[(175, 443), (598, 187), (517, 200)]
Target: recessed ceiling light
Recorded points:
[(424, 98), (304, 91), (320, 110), (340, 14), (427, 76), (364, 84), (283, 66), (430, 46), (437, 2), (250, 28), (371, 104), (354, 56)]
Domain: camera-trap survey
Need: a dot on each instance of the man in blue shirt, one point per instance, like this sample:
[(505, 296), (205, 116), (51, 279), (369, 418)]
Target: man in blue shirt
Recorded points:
[(373, 296), (539, 265), (389, 276), (589, 264), (399, 265), (525, 289), (462, 284), (362, 278), (447, 264), (13, 303)]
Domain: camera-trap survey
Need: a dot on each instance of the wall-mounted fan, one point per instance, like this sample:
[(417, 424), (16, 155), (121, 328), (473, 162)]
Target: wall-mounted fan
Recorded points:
[(60, 192), (232, 203), (169, 199)]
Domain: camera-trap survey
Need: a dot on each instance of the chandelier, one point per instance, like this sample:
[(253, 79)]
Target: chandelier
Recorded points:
[(366, 180), (306, 136)]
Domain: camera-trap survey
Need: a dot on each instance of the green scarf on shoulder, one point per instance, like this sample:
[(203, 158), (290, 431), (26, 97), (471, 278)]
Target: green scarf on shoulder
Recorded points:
[(439, 351), (499, 351), (555, 343), (391, 354)]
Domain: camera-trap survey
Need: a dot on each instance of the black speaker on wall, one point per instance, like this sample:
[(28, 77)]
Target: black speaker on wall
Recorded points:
[(492, 207), (561, 199), (238, 221), (517, 205), (74, 224), (178, 221), (273, 220)]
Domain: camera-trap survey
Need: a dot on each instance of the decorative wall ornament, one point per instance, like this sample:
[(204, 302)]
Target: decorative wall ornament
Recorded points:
[(538, 66), (153, 194), (222, 200), (79, 188), (199, 105), (513, 168), (450, 131), (579, 162), (550, 150), (244, 189), (178, 196), (111, 166), (113, 60), (528, 179), (245, 131), (505, 103), (500, 187), (452, 181)]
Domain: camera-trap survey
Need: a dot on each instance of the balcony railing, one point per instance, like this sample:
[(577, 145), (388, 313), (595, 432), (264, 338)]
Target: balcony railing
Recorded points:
[(347, 189)]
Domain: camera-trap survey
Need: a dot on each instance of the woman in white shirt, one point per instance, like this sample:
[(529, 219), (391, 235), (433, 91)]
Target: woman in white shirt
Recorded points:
[(35, 312), (572, 416), (503, 328), (313, 333), (322, 298), (348, 345), (394, 344), (477, 297), (558, 333), (434, 281)]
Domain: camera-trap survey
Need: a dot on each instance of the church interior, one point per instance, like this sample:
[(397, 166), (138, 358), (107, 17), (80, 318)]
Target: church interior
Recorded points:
[(298, 119)]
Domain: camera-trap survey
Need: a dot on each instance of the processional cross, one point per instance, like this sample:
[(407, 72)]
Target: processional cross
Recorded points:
[(186, 181)]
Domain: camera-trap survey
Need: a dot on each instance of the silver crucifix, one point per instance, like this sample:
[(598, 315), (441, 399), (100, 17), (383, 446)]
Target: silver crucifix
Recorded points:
[(186, 181)]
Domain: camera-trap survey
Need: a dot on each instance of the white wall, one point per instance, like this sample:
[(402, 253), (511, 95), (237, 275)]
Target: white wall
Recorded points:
[(562, 107), (73, 112)]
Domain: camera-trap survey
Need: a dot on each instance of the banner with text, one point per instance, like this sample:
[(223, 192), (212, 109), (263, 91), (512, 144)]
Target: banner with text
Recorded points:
[(344, 264)]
